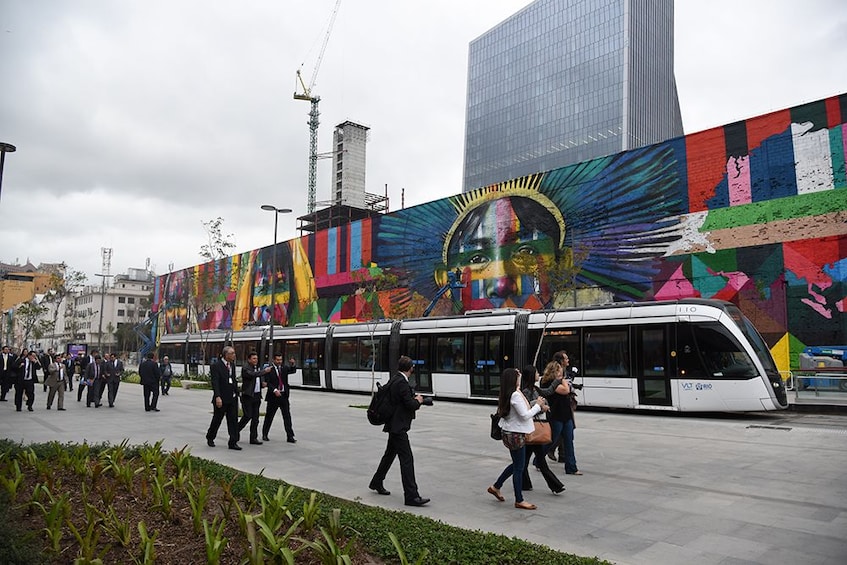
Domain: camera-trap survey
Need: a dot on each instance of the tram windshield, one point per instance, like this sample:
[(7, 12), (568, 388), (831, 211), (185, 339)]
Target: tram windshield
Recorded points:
[(755, 339)]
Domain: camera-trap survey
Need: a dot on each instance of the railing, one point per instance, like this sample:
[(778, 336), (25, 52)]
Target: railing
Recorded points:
[(820, 382)]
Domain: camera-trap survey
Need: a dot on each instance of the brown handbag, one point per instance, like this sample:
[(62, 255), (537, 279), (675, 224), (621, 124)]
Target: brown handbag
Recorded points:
[(541, 435)]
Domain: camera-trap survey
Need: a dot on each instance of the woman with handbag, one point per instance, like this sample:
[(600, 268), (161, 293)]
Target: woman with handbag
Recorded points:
[(532, 393), (515, 421), (561, 413)]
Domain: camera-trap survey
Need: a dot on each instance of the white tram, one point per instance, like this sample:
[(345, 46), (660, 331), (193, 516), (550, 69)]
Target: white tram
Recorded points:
[(685, 355)]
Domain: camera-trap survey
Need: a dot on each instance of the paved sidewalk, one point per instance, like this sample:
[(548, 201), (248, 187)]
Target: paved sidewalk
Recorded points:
[(765, 489)]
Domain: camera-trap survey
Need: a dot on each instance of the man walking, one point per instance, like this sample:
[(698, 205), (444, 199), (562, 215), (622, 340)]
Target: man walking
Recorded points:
[(167, 372), (277, 397), (149, 372), (224, 399), (26, 379), (93, 378), (116, 371), (7, 371), (56, 379), (405, 405), (252, 382)]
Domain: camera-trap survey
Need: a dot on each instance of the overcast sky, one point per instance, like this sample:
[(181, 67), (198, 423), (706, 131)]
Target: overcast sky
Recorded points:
[(136, 121)]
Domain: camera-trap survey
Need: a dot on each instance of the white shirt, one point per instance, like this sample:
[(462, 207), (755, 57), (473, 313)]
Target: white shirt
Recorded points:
[(520, 416)]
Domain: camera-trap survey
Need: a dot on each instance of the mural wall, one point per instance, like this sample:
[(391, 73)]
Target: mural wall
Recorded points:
[(753, 212)]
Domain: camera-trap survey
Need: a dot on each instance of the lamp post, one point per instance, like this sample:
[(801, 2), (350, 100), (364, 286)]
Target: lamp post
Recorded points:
[(102, 304), (277, 212), (4, 148)]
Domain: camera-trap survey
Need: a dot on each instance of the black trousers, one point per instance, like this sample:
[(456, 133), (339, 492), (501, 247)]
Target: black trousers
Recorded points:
[(113, 390), (166, 385), (151, 391), (230, 412), (278, 403), (6, 382), (93, 396), (398, 446), (537, 451), (21, 388), (80, 386), (250, 413)]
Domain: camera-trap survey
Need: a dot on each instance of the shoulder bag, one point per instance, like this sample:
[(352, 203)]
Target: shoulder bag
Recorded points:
[(541, 435), (496, 431)]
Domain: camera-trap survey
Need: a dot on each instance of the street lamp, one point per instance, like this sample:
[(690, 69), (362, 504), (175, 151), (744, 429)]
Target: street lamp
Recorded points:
[(102, 304), (4, 148), (277, 212)]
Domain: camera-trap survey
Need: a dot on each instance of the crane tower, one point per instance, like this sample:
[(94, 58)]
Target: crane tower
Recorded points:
[(314, 113)]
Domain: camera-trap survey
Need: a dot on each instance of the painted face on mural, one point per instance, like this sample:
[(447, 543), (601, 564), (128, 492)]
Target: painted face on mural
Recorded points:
[(501, 248)]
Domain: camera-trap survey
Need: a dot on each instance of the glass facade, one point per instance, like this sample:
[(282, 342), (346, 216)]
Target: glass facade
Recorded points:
[(564, 81)]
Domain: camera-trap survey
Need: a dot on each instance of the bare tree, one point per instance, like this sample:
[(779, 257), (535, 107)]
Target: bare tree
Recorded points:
[(218, 244), (61, 287)]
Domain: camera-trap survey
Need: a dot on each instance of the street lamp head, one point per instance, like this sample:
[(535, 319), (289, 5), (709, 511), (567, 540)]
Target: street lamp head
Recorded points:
[(7, 147), (271, 208)]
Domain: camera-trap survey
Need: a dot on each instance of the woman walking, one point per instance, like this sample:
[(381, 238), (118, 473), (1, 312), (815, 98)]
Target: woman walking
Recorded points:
[(561, 413), (532, 393), (515, 421)]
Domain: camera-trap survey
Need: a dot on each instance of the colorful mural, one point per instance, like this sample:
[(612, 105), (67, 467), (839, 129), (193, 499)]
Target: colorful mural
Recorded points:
[(753, 212)]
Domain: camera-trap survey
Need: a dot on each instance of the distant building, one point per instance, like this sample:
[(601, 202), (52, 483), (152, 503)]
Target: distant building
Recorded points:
[(564, 81), (20, 283)]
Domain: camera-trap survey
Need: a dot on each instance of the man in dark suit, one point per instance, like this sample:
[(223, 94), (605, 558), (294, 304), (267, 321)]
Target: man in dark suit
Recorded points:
[(93, 377), (27, 377), (83, 361), (405, 405), (8, 367), (224, 398), (252, 381), (150, 375), (277, 397), (116, 371)]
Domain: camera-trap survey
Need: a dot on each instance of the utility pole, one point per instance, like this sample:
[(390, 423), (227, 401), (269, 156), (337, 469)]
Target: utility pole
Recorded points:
[(107, 265)]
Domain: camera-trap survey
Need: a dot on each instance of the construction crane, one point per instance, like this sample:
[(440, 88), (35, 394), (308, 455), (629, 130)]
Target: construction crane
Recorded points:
[(314, 113)]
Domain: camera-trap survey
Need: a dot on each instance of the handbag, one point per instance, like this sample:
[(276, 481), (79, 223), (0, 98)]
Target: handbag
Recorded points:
[(496, 431), (541, 435), (514, 440)]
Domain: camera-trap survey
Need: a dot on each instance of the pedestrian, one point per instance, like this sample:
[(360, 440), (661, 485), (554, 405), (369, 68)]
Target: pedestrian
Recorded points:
[(560, 357), (93, 378), (167, 372), (531, 392), (68, 362), (80, 365), (516, 416), (45, 359), (561, 413), (56, 379), (150, 376), (116, 371), (224, 399), (8, 368), (27, 378), (106, 376), (277, 397), (252, 382), (405, 405)]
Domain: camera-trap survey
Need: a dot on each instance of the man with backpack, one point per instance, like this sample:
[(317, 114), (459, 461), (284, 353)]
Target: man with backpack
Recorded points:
[(405, 405)]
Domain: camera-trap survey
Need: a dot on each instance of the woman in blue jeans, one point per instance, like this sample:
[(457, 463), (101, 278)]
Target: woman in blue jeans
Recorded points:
[(561, 413), (516, 421)]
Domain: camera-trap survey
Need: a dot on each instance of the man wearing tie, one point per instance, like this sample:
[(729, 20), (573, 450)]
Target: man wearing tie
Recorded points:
[(252, 381), (93, 377), (277, 397), (57, 376), (27, 378), (150, 377), (7, 371), (224, 399), (115, 375)]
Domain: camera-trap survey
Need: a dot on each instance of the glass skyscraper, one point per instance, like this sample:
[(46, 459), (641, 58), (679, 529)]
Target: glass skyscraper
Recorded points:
[(564, 81)]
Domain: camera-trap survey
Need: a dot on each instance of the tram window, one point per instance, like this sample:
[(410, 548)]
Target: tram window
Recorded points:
[(346, 355), (450, 354), (653, 352), (606, 353), (370, 354), (290, 349), (710, 351)]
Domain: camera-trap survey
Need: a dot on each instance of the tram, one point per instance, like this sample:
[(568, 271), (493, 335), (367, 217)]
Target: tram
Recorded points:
[(689, 355)]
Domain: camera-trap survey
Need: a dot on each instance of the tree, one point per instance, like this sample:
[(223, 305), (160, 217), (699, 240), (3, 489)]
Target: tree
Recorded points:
[(218, 245), (59, 288), (29, 319)]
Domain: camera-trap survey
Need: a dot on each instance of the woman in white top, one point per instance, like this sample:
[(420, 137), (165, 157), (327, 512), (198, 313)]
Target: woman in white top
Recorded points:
[(516, 421)]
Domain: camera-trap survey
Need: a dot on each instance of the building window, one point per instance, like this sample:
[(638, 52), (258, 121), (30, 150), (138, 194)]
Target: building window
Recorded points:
[(120, 312), (121, 299), (131, 300)]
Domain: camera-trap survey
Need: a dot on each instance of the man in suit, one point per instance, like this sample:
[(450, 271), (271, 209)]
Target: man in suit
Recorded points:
[(56, 378), (27, 377), (405, 405), (45, 359), (93, 376), (83, 361), (68, 361), (224, 398), (252, 381), (8, 367), (116, 371), (277, 397), (150, 375)]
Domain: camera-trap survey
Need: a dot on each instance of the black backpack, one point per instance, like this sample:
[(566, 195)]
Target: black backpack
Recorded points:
[(380, 410)]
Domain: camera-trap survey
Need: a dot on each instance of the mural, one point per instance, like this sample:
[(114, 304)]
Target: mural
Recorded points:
[(753, 212)]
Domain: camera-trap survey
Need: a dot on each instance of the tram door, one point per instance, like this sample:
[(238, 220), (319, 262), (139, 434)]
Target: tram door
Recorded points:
[(418, 348), (487, 363), (313, 361), (653, 365)]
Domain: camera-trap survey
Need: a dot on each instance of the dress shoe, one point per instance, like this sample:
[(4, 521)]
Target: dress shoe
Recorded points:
[(3, 400), (156, 410), (48, 408), (235, 446), (29, 408), (291, 440), (62, 409), (265, 438), (98, 405), (524, 505), (255, 442), (210, 442), (417, 501), (379, 489)]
